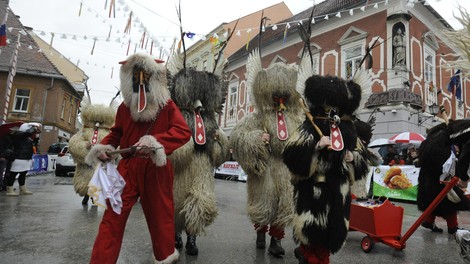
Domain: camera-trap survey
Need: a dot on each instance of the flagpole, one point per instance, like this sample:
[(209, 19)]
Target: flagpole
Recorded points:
[(11, 75), (3, 119)]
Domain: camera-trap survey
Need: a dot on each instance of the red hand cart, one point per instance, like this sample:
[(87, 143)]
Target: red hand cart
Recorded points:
[(383, 223)]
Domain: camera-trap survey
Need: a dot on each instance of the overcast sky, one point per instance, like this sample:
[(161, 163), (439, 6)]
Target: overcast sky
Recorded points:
[(74, 35)]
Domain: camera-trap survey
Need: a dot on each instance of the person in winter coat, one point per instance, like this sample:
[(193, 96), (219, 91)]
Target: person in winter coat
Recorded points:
[(25, 142), (7, 156)]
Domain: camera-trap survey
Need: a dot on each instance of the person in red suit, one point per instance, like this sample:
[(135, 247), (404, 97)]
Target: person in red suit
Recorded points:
[(149, 123)]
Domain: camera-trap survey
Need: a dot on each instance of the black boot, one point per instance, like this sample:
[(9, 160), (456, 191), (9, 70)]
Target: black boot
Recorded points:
[(275, 248), (191, 247), (178, 240), (261, 240), (432, 226), (299, 256), (85, 200)]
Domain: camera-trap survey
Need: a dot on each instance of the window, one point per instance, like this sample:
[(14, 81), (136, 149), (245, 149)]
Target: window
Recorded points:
[(70, 111), (233, 92), (430, 75), (21, 100), (428, 67), (352, 59), (62, 111)]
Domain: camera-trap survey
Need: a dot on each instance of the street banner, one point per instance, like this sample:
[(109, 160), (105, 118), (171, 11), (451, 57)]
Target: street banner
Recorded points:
[(40, 162)]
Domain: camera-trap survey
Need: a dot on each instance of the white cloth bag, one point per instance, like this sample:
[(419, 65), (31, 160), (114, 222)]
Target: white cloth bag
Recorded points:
[(107, 183)]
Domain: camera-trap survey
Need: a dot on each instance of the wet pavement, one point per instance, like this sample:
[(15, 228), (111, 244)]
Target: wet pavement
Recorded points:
[(51, 226)]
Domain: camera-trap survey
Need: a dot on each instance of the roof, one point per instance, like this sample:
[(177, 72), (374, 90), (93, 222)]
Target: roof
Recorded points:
[(71, 71), (327, 7), (29, 61)]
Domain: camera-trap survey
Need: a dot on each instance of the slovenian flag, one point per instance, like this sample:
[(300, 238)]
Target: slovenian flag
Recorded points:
[(3, 31)]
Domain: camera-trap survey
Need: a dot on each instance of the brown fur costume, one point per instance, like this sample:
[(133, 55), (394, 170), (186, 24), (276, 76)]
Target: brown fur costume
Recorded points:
[(269, 188), (94, 116), (200, 93)]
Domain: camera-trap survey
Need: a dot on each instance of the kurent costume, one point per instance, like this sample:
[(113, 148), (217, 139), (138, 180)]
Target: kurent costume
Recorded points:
[(97, 120), (459, 39), (277, 114), (444, 142), (199, 95), (324, 167), (146, 118)]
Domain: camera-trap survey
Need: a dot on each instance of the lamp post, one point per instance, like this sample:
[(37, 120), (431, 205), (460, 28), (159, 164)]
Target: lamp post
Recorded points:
[(433, 111)]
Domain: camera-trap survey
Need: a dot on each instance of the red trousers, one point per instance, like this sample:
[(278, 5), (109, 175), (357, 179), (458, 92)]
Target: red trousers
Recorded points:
[(154, 186), (315, 254), (451, 219)]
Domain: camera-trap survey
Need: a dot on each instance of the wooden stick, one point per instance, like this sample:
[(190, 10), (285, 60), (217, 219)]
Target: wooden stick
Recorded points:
[(119, 151), (310, 117)]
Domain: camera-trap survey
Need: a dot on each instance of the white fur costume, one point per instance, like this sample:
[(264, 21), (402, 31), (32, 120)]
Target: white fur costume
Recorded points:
[(270, 193), (95, 117)]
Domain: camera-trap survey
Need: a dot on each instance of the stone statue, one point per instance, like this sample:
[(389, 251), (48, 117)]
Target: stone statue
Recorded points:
[(399, 49)]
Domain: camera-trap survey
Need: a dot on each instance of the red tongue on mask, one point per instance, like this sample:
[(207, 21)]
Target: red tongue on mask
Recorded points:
[(200, 132), (282, 132), (337, 143), (142, 103), (94, 139)]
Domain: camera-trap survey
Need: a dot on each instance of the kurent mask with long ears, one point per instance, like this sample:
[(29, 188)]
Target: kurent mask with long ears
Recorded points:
[(144, 86)]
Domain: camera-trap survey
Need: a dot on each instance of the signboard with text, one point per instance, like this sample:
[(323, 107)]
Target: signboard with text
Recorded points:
[(232, 168)]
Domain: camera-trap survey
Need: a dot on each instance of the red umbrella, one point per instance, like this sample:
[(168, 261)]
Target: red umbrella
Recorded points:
[(5, 129), (407, 137)]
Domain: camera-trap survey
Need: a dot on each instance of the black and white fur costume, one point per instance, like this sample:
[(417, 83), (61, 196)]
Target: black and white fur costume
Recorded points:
[(322, 177)]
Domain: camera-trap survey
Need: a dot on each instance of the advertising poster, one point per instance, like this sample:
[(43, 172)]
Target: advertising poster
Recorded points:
[(397, 182)]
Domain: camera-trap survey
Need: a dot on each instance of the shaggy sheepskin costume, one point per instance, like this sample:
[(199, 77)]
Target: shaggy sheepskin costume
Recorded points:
[(433, 153), (199, 96), (147, 118), (97, 120), (322, 172), (277, 113)]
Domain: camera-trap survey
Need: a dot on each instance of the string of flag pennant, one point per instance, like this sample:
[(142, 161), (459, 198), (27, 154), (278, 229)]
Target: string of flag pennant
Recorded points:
[(155, 41), (150, 42)]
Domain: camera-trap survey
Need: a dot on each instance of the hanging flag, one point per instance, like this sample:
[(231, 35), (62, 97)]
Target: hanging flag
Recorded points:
[(94, 44), (190, 35), (248, 38), (127, 29), (454, 85), (3, 31), (112, 9), (80, 10), (285, 32)]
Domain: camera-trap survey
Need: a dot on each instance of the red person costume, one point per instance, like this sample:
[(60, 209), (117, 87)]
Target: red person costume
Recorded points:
[(151, 119)]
